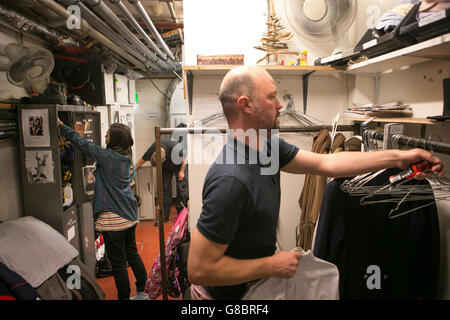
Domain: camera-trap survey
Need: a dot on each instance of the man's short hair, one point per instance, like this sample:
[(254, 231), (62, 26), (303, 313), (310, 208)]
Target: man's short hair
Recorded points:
[(240, 85)]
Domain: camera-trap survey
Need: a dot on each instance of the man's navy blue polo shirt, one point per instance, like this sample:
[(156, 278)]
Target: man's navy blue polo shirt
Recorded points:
[(241, 205)]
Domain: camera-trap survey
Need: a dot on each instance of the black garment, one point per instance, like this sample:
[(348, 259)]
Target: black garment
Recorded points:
[(173, 161), (17, 285), (120, 248), (241, 205), (182, 191), (354, 237), (172, 166)]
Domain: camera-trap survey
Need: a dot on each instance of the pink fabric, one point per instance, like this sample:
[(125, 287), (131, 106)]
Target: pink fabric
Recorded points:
[(199, 293), (153, 287)]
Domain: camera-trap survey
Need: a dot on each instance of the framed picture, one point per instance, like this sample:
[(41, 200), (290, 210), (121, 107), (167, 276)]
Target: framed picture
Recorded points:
[(35, 128), (40, 166), (89, 179)]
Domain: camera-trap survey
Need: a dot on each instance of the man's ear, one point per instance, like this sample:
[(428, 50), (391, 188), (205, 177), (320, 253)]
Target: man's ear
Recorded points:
[(244, 104)]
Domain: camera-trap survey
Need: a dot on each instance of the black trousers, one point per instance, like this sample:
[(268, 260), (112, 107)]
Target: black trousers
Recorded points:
[(120, 248), (182, 191)]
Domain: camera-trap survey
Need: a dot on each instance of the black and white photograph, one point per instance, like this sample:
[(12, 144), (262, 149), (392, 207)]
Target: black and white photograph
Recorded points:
[(35, 128), (39, 166)]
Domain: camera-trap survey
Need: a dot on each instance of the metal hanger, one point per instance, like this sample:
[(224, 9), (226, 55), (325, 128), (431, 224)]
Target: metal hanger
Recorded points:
[(399, 192), (302, 118), (201, 122)]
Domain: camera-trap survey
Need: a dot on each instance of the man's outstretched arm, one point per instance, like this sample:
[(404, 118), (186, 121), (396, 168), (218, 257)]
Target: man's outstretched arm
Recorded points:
[(348, 164)]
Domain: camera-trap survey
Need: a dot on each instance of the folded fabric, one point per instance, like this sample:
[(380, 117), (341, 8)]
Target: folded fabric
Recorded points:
[(315, 279), (20, 289), (33, 249)]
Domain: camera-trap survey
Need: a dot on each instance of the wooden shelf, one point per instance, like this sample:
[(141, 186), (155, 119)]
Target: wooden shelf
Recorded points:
[(398, 120), (436, 48), (272, 69)]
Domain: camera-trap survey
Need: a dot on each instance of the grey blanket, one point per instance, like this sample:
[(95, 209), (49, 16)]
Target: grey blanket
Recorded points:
[(33, 249)]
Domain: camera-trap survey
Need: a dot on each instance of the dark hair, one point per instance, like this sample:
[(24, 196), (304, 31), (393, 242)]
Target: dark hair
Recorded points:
[(120, 139)]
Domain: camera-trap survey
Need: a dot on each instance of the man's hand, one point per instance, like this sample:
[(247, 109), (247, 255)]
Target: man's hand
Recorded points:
[(285, 264), (181, 175), (409, 157), (59, 122)]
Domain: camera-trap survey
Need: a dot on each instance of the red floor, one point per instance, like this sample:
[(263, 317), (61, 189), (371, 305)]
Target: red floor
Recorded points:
[(147, 241)]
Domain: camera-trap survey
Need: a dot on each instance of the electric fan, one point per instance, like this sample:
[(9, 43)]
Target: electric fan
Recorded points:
[(322, 20), (29, 68)]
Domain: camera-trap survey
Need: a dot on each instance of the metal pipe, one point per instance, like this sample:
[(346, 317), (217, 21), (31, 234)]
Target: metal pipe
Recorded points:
[(212, 130), (86, 29), (411, 142), (171, 7), (140, 9), (100, 26), (105, 12), (20, 23), (138, 28), (162, 246)]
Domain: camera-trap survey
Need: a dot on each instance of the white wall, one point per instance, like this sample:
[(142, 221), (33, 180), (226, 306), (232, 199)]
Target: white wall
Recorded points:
[(150, 102)]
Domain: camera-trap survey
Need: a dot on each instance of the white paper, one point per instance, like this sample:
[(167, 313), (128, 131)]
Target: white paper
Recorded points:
[(40, 166), (35, 128), (153, 113), (71, 233)]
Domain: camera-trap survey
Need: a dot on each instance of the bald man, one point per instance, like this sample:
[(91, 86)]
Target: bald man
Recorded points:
[(234, 242)]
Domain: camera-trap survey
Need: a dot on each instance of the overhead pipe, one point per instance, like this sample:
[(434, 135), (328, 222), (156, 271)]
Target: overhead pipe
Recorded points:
[(96, 23), (138, 28), (86, 29), (18, 22), (171, 7), (106, 13), (140, 9)]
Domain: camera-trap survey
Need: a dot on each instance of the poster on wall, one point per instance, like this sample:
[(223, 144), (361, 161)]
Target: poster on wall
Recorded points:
[(40, 166), (35, 128)]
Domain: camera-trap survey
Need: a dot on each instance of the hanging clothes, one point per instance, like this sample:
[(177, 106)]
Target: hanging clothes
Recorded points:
[(402, 254), (313, 188), (315, 279)]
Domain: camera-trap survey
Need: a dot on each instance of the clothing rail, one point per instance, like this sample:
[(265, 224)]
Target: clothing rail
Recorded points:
[(435, 146), (160, 131), (212, 130)]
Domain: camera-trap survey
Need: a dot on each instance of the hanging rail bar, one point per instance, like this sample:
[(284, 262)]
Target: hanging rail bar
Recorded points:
[(411, 142), (281, 130)]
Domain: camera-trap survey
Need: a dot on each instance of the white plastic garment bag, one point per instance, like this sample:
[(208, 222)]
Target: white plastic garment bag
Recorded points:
[(315, 279)]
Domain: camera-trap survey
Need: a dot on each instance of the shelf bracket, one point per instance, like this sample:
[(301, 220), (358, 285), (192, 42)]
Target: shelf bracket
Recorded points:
[(305, 83), (190, 86), (377, 80), (423, 128)]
